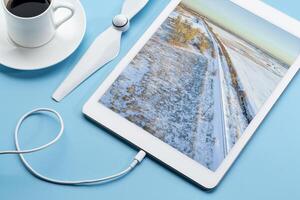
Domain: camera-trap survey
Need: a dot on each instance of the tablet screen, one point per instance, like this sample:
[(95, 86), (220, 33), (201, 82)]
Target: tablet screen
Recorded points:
[(202, 77)]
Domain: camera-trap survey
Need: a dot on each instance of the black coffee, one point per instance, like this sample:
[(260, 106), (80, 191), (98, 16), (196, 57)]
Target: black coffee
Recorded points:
[(27, 8)]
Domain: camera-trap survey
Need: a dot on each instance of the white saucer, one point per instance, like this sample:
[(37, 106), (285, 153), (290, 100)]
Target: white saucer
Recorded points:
[(67, 39)]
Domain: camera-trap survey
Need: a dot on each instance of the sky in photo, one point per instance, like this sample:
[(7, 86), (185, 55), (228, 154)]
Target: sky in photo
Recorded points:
[(263, 34)]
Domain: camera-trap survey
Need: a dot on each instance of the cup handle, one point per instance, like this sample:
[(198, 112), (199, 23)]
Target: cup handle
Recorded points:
[(65, 5)]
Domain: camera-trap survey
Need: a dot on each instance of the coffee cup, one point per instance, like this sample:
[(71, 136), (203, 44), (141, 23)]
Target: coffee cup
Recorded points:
[(33, 23)]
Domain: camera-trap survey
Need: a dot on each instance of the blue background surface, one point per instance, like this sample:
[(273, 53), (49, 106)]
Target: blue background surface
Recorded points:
[(269, 168)]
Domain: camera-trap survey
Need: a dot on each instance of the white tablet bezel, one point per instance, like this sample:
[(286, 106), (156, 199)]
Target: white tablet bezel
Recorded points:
[(164, 152)]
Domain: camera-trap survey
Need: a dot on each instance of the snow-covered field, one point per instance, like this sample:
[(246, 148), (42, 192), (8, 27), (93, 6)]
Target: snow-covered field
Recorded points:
[(258, 71), (198, 101)]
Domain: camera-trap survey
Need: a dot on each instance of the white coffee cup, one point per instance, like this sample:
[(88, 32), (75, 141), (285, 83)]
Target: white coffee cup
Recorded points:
[(38, 30)]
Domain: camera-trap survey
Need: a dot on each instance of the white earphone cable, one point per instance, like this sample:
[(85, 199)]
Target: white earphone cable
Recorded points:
[(137, 159)]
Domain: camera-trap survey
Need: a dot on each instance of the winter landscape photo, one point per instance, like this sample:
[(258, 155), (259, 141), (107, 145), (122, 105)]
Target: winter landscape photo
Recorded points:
[(202, 77)]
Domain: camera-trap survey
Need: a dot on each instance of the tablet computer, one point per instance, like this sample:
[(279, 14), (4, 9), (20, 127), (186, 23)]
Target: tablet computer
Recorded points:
[(199, 82)]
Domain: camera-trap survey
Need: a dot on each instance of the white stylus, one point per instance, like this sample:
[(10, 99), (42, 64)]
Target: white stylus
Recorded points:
[(104, 49)]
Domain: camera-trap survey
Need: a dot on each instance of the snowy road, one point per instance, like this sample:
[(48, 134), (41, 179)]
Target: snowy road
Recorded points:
[(220, 130)]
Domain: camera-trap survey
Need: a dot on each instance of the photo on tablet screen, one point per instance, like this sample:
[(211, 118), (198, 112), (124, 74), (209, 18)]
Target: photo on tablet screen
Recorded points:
[(202, 77)]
